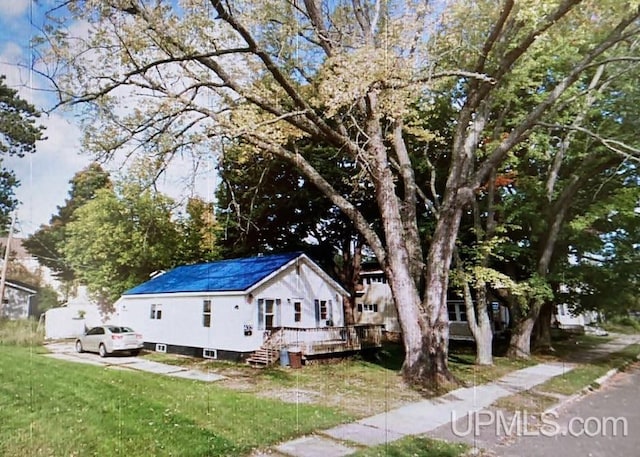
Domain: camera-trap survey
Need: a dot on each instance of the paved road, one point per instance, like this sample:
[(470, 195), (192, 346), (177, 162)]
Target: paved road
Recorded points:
[(592, 426)]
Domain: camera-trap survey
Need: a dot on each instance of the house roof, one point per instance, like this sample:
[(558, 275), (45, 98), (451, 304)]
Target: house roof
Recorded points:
[(23, 286), (219, 276)]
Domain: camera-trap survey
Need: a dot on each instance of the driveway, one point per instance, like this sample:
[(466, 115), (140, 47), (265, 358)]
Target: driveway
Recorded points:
[(66, 351)]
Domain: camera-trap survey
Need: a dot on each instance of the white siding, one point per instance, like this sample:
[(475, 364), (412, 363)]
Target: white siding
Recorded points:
[(181, 323)]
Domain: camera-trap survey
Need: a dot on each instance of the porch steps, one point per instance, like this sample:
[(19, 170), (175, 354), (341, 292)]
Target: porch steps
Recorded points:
[(263, 357)]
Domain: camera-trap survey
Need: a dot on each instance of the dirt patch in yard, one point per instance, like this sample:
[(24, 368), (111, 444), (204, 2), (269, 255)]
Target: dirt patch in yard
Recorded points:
[(292, 395)]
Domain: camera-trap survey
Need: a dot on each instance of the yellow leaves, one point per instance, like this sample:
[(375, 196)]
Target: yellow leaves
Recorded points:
[(347, 78), (249, 119)]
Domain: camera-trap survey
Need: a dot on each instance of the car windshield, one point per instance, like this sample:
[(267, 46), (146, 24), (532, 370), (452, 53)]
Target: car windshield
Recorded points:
[(114, 329)]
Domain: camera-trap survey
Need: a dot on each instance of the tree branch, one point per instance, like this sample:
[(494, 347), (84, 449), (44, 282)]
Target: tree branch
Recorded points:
[(618, 147)]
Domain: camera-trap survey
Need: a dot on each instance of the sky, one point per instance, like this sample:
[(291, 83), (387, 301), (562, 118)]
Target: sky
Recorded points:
[(45, 175)]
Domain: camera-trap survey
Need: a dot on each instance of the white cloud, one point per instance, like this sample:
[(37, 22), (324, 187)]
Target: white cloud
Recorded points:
[(13, 8), (45, 174)]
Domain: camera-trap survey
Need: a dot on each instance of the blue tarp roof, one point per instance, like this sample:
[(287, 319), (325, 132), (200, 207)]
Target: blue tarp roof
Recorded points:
[(220, 276)]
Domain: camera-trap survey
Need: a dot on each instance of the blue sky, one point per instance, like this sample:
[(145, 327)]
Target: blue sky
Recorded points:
[(45, 175)]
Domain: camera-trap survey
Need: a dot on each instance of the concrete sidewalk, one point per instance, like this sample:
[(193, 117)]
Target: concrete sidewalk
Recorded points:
[(416, 418), (428, 415)]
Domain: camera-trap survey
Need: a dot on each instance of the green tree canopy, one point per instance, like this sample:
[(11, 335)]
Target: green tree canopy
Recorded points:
[(47, 242), (344, 74), (118, 238)]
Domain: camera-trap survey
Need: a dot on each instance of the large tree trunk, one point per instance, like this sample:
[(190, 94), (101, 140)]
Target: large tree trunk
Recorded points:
[(425, 341), (349, 274), (480, 324), (435, 298), (484, 344), (542, 329), (520, 342)]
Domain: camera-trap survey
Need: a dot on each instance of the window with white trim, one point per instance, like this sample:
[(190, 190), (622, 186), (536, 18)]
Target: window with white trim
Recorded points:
[(297, 311), (267, 313), (370, 307), (156, 311), (457, 311), (210, 353), (323, 310), (206, 313)]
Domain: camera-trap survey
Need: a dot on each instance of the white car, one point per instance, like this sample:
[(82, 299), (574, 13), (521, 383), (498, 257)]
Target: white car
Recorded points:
[(107, 339)]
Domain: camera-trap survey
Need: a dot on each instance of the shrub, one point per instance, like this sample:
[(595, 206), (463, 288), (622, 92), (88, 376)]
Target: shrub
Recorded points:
[(622, 324)]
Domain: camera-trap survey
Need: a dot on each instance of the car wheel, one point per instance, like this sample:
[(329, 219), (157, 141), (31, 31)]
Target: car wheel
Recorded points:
[(135, 353), (79, 347), (102, 351)]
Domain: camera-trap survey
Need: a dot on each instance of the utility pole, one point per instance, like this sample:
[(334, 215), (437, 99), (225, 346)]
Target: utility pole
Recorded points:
[(7, 250)]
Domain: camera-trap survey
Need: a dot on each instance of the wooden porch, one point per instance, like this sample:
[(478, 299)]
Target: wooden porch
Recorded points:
[(318, 341)]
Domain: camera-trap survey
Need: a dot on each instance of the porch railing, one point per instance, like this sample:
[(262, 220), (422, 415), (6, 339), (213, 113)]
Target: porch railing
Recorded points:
[(313, 341)]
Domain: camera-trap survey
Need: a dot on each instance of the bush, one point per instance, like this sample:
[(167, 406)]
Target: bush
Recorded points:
[(624, 324), (20, 333)]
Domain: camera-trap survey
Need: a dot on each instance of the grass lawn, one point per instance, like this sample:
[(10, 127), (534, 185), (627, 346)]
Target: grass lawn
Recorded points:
[(360, 387), (567, 344), (583, 375), (546, 395), (462, 365), (50, 407), (415, 447)]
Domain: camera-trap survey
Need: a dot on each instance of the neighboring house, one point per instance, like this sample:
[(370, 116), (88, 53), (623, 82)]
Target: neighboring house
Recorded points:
[(375, 305), (19, 254), (567, 320), (374, 301), (19, 300), (228, 309), (74, 317)]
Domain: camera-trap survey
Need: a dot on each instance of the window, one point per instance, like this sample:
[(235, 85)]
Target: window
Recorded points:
[(457, 311), (376, 280), (267, 309), (268, 314), (297, 311), (323, 310), (463, 313), (452, 312), (161, 347), (156, 311), (206, 313), (370, 307), (209, 353), (96, 331)]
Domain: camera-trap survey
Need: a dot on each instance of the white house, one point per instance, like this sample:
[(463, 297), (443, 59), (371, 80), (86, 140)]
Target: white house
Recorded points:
[(566, 319), (74, 317), (227, 309), (374, 301), (375, 305)]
